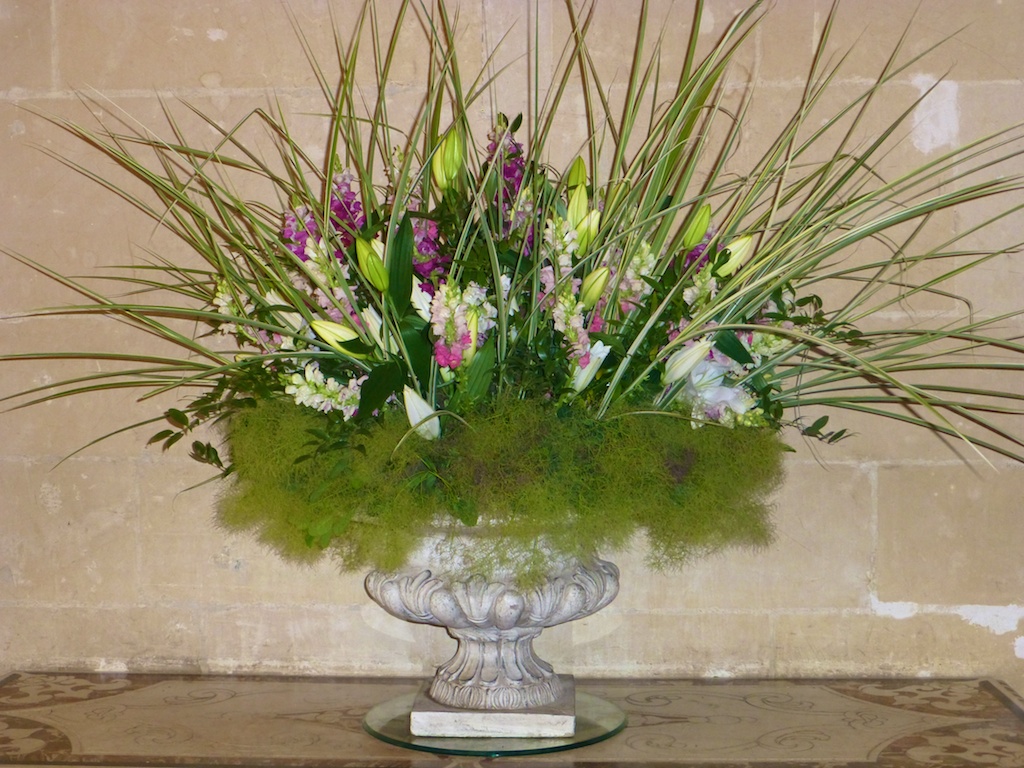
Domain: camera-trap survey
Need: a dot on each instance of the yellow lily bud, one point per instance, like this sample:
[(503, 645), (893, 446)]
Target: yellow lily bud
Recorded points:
[(473, 326), (682, 362), (586, 232), (739, 251), (370, 257), (697, 228), (579, 204), (593, 286), (334, 334), (577, 173), (447, 161), (421, 415)]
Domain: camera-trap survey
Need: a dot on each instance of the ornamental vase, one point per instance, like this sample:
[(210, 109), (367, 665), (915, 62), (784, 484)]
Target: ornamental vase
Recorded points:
[(494, 622)]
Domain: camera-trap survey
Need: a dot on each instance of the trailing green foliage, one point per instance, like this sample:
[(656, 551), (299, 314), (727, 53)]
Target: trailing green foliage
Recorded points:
[(542, 483)]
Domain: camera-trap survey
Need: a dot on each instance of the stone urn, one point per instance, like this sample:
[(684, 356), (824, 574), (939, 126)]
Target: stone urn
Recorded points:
[(494, 622)]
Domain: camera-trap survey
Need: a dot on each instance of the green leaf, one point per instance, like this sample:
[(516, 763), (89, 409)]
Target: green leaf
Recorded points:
[(481, 371), (729, 344), (815, 429), (400, 266), (384, 381), (417, 344), (161, 435), (357, 348), (177, 418), (759, 383)]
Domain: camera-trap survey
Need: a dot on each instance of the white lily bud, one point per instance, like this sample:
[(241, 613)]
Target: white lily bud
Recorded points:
[(334, 334), (374, 327), (583, 376), (682, 362), (421, 415), (291, 320), (421, 301), (739, 252)]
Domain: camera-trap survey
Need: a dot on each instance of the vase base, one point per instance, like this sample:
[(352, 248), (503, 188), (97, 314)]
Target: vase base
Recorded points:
[(596, 720), (556, 720)]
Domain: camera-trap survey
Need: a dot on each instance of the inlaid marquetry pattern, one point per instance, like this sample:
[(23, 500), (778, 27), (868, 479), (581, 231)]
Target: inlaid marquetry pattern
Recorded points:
[(130, 720)]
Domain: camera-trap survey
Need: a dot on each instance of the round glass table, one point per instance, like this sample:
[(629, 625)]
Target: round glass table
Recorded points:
[(596, 720)]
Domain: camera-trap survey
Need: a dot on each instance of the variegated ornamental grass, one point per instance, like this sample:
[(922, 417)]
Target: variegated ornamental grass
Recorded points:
[(434, 324)]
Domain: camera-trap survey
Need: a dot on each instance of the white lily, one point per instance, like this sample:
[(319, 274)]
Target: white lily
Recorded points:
[(583, 376), (421, 415), (710, 396)]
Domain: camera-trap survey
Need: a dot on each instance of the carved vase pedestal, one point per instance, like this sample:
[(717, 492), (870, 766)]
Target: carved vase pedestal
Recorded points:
[(495, 685)]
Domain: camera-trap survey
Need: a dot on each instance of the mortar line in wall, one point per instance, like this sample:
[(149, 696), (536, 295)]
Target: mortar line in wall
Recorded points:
[(872, 575), (137, 526), (200, 608), (1000, 464), (196, 92), (54, 52), (762, 612), (56, 93)]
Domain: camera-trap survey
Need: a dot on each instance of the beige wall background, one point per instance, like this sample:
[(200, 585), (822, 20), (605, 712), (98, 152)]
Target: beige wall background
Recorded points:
[(896, 554)]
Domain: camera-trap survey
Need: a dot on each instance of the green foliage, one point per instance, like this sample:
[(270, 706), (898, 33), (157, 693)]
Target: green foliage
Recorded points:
[(542, 483), (303, 489)]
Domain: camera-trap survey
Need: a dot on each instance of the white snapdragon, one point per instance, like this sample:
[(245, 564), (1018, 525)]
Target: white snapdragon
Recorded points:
[(702, 291), (324, 393), (227, 303), (632, 288)]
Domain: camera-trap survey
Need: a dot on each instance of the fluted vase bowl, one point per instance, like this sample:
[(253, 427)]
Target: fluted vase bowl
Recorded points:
[(494, 622)]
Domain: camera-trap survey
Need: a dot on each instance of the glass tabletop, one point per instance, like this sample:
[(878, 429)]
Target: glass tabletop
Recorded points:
[(596, 720)]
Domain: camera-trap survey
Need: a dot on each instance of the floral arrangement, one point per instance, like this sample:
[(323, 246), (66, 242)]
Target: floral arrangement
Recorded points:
[(434, 326)]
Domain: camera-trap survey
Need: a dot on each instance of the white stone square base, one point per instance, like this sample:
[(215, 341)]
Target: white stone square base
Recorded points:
[(556, 720)]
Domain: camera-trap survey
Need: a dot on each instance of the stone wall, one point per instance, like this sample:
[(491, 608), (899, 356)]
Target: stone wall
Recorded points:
[(897, 553)]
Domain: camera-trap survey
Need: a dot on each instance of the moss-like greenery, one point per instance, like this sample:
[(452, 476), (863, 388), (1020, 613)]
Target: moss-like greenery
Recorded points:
[(520, 470)]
